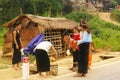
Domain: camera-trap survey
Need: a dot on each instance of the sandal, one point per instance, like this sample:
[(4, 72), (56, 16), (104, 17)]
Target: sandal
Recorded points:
[(78, 75), (71, 68), (84, 75), (74, 69)]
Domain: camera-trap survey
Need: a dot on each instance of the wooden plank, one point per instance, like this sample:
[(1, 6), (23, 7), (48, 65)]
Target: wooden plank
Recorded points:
[(108, 56)]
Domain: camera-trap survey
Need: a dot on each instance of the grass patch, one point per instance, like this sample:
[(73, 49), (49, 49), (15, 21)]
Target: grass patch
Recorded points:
[(4, 67), (105, 35), (4, 63), (4, 60), (32, 58), (2, 32), (115, 15)]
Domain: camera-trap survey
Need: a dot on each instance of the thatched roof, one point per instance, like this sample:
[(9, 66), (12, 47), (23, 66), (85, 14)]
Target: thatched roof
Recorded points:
[(11, 23), (45, 22)]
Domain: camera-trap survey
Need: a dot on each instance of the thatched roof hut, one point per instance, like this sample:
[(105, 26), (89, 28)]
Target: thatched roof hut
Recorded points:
[(33, 25)]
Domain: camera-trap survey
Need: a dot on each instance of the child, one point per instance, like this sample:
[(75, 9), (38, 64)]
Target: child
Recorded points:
[(76, 37), (91, 48), (72, 46)]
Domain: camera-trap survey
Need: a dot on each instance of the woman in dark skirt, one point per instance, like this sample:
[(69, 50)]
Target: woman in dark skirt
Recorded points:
[(17, 45), (42, 58), (84, 51), (83, 59)]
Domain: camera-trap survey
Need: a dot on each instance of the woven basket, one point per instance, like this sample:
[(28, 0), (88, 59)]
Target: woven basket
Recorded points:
[(54, 69)]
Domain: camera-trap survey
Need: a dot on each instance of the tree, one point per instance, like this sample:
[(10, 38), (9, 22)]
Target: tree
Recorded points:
[(118, 1), (49, 7), (114, 2), (8, 10), (12, 8)]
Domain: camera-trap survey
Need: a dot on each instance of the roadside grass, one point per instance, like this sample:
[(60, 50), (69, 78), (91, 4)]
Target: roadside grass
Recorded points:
[(4, 60), (2, 32), (3, 67), (5, 63)]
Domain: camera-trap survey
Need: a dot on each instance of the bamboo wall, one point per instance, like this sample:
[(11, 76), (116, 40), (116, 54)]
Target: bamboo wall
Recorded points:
[(55, 37)]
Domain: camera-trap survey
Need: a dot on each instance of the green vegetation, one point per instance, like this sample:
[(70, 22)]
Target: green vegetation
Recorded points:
[(2, 32), (118, 1), (3, 67), (4, 61), (12, 8), (76, 16), (32, 58), (115, 15), (105, 35)]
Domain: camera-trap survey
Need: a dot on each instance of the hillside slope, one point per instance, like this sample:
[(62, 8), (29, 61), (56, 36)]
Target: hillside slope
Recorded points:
[(106, 17)]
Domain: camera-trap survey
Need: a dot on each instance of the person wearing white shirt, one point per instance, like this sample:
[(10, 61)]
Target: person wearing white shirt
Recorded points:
[(42, 58)]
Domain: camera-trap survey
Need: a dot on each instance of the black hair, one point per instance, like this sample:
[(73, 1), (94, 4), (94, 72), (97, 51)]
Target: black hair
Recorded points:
[(86, 27), (76, 27), (65, 33), (82, 22), (16, 23)]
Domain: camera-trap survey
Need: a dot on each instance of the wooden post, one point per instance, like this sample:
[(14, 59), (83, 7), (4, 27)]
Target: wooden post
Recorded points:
[(21, 10), (49, 12)]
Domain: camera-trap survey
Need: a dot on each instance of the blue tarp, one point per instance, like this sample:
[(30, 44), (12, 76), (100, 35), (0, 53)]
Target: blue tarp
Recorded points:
[(33, 43)]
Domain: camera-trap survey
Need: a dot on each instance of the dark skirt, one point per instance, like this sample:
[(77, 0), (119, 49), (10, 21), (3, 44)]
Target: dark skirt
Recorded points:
[(83, 58), (42, 60), (75, 58), (16, 56)]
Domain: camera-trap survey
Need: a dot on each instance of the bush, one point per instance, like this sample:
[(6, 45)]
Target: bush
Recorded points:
[(115, 15), (2, 32), (76, 16), (105, 35)]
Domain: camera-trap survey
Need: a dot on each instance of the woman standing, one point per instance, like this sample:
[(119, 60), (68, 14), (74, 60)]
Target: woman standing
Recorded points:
[(83, 43), (17, 45)]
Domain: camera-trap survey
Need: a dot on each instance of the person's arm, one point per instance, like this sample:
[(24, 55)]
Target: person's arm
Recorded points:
[(84, 38), (21, 43), (56, 54), (92, 47), (90, 37), (14, 38)]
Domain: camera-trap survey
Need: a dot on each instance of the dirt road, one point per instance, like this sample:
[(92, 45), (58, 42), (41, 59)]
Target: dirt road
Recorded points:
[(7, 74)]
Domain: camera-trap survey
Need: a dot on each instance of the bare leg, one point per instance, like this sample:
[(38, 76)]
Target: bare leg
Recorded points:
[(15, 66), (18, 66), (48, 73), (74, 69), (40, 74)]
